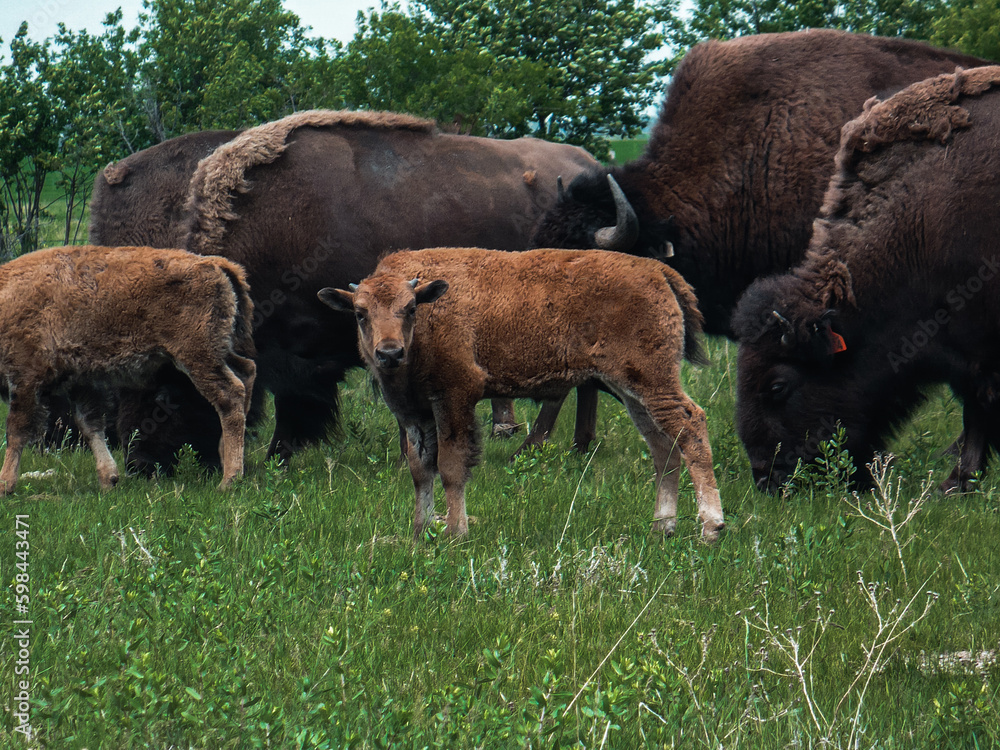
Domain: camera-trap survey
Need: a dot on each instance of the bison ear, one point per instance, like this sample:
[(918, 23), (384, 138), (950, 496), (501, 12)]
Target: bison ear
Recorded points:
[(829, 340), (430, 291), (338, 299)]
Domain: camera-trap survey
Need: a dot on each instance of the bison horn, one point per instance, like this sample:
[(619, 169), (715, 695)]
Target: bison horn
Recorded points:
[(414, 283), (786, 327), (625, 232), (560, 190), (353, 287)]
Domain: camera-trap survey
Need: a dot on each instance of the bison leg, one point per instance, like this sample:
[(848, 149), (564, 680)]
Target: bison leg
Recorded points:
[(972, 447), (666, 463), (543, 426), (23, 417), (680, 421), (227, 393), (586, 417), (586, 421), (504, 419), (421, 454), (458, 450), (89, 416)]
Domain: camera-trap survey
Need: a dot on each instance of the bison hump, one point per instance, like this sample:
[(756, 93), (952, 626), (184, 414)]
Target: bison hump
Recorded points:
[(928, 110)]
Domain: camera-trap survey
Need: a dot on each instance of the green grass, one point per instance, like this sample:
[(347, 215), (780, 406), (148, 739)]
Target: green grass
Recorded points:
[(295, 611), (627, 150)]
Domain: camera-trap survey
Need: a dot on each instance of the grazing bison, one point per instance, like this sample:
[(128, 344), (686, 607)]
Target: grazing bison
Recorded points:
[(899, 289), (312, 201), (79, 320), (530, 324), (736, 166)]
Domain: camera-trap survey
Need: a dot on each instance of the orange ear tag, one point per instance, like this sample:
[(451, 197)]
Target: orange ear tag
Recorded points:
[(839, 345)]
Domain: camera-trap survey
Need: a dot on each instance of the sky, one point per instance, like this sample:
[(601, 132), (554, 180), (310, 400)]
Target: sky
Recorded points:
[(333, 19)]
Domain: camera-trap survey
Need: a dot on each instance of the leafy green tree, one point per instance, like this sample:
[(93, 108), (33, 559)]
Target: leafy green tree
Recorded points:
[(222, 65), (725, 19), (395, 64), (92, 80), (29, 139), (573, 70), (972, 26)]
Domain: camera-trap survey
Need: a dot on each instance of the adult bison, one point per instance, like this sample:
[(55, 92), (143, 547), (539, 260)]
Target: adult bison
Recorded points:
[(139, 201), (736, 166), (899, 289), (312, 201)]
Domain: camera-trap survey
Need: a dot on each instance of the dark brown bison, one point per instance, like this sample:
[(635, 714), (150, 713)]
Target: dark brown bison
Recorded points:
[(736, 166), (530, 324), (77, 320), (139, 201), (312, 201), (899, 289)]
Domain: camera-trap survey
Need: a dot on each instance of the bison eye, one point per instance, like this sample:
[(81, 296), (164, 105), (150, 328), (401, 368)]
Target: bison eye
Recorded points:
[(361, 316), (779, 390), (410, 311)]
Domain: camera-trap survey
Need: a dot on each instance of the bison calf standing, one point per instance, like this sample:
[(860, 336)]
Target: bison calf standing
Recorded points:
[(530, 324), (77, 320)]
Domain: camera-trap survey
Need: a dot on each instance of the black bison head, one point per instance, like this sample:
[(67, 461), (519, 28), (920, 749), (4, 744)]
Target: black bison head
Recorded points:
[(155, 423), (594, 212), (800, 378)]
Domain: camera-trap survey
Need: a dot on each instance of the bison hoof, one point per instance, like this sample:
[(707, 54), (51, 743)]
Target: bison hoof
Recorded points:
[(710, 531), (954, 485), (665, 526), (227, 482), (505, 430)]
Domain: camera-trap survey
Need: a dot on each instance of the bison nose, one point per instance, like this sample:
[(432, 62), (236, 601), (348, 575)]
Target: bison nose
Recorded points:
[(767, 479), (389, 356)]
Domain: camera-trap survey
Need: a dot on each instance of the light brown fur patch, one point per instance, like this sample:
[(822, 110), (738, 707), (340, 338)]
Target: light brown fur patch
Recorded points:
[(924, 111), (115, 172)]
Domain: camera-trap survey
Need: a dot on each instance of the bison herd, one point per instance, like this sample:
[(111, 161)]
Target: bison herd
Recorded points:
[(823, 198)]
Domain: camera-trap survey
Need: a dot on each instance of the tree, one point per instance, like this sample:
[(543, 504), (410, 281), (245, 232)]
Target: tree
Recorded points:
[(92, 80), (573, 70), (725, 19), (394, 64), (29, 139), (222, 65), (972, 26)]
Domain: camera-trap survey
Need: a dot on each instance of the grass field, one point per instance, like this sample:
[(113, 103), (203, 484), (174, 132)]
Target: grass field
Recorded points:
[(295, 611), (627, 150)]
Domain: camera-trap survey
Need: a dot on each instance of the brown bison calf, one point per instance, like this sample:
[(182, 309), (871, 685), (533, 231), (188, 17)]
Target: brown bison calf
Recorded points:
[(77, 320), (531, 324)]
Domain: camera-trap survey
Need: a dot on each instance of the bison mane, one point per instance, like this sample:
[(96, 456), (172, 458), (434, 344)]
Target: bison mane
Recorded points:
[(925, 111), (221, 174)]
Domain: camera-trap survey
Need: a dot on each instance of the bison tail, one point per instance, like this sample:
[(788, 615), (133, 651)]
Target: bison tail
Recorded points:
[(694, 321), (243, 322)]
